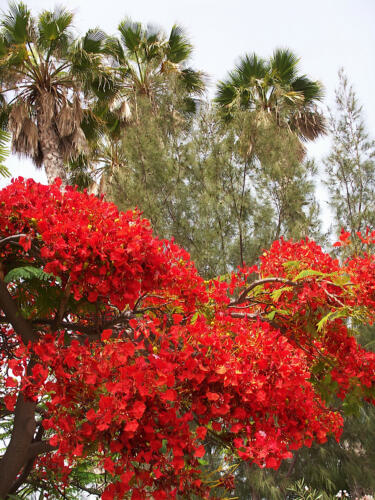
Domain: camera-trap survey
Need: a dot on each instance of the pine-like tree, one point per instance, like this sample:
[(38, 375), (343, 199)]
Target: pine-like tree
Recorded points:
[(350, 167), (195, 182)]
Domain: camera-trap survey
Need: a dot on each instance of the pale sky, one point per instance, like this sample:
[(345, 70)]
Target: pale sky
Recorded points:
[(325, 34)]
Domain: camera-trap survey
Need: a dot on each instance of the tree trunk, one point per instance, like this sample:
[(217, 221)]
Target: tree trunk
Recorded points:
[(17, 451), (21, 449), (49, 139)]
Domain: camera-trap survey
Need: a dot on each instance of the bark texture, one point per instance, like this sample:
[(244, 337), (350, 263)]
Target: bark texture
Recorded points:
[(24, 445), (49, 139), (17, 451)]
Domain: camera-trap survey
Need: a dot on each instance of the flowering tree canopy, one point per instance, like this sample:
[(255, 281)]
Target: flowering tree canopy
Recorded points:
[(112, 348)]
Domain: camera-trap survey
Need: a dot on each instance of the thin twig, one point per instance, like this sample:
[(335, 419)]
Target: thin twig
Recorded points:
[(10, 239)]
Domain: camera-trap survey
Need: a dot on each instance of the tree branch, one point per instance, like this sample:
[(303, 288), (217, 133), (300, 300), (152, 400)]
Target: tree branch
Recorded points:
[(21, 326), (87, 489), (87, 329), (256, 283), (10, 239), (39, 448), (29, 465), (16, 454)]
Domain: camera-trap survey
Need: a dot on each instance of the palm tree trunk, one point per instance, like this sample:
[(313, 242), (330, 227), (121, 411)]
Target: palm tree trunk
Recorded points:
[(49, 139)]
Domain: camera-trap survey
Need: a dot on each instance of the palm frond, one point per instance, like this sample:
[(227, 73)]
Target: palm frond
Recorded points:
[(283, 65), (53, 29), (152, 34), (179, 48), (193, 81), (249, 69), (308, 124), (312, 91), (17, 24), (94, 41), (131, 34), (3, 46), (226, 96), (114, 49), (93, 123)]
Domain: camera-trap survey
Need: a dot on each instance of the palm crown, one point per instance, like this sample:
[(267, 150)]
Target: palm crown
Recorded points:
[(275, 87), (46, 75), (146, 59)]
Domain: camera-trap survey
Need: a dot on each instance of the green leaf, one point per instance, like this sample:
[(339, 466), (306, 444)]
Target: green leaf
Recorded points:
[(273, 313), (4, 153), (308, 272), (194, 318), (277, 293), (341, 280), (28, 273), (164, 448), (16, 24), (202, 461), (341, 313), (291, 264), (179, 48)]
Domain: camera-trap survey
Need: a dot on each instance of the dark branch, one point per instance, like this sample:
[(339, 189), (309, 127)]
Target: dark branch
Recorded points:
[(87, 489), (39, 448), (87, 329), (10, 239), (29, 465), (21, 326), (254, 284)]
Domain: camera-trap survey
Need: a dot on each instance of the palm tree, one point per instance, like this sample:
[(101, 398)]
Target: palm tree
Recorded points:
[(148, 62), (45, 77), (274, 87), (154, 75)]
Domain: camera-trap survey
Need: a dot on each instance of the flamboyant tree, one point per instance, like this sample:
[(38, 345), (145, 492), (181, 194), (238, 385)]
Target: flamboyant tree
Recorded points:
[(114, 351)]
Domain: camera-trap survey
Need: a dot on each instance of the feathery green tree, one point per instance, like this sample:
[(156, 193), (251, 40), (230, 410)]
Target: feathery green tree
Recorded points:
[(350, 166), (194, 182)]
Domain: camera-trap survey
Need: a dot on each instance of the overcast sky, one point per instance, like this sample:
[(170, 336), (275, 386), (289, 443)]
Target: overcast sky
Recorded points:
[(325, 34)]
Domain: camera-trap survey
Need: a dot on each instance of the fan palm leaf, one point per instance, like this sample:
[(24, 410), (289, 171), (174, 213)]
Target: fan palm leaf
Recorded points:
[(146, 58), (274, 86)]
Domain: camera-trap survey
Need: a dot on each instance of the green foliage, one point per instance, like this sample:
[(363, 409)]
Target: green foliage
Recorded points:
[(350, 166), (194, 179), (300, 491), (27, 273), (274, 87), (4, 152)]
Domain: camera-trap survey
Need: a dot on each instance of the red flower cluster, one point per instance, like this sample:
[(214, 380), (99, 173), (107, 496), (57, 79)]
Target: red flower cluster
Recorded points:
[(136, 363)]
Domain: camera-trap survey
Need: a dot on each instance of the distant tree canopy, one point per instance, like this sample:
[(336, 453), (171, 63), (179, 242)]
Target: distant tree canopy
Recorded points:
[(195, 182)]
